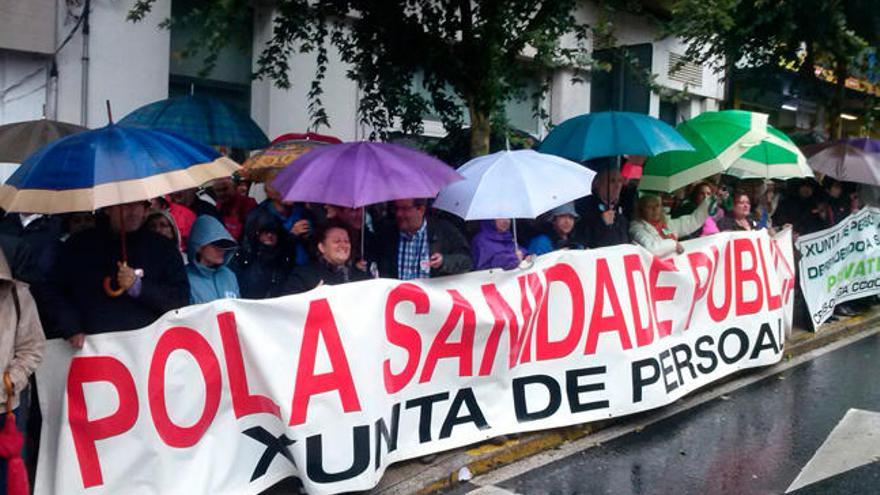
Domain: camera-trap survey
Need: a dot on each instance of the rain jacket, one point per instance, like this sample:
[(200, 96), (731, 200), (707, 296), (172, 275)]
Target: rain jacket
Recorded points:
[(493, 249), (265, 211), (262, 270), (170, 217), (646, 235), (21, 335), (551, 241), (205, 283)]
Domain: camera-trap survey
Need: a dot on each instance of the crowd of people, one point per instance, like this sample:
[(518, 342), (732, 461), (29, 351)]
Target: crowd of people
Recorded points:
[(196, 246)]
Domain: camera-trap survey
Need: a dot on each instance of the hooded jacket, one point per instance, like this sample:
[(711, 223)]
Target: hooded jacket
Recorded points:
[(21, 335), (493, 249), (262, 270), (206, 283), (168, 216)]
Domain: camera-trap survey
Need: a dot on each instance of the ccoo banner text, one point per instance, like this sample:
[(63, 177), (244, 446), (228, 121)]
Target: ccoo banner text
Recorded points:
[(840, 263), (332, 386)]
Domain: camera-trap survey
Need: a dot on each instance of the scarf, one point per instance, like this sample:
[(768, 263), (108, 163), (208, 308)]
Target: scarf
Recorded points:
[(662, 230)]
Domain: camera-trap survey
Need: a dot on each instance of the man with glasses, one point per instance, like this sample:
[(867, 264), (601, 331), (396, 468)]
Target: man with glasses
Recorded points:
[(416, 246)]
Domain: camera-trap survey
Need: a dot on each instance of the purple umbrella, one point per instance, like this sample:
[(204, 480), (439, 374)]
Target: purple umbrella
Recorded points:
[(865, 144), (360, 173), (847, 162)]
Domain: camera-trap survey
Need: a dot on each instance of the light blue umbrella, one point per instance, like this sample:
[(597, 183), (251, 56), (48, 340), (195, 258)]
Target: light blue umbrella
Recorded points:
[(602, 134)]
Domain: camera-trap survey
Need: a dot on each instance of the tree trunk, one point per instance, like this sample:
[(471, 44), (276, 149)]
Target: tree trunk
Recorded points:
[(838, 100), (481, 130)]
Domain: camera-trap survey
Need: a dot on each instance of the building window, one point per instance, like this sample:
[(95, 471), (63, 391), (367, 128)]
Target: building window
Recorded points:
[(623, 87)]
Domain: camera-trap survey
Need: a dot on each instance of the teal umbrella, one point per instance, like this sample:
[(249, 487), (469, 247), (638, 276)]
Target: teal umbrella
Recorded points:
[(602, 134), (204, 119)]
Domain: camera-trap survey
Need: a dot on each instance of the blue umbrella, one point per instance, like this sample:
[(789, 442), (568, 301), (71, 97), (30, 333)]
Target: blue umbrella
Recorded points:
[(109, 166), (595, 135), (201, 118)]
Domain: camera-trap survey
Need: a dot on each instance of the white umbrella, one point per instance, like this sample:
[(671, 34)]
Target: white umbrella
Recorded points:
[(514, 184)]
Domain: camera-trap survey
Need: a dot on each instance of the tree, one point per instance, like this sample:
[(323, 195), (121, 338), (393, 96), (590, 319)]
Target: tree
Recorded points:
[(771, 34), (464, 52)]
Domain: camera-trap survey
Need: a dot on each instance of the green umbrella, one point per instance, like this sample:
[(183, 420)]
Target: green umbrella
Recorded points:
[(775, 157), (719, 139)]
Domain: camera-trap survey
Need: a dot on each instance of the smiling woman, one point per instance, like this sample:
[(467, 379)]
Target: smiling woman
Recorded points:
[(333, 264)]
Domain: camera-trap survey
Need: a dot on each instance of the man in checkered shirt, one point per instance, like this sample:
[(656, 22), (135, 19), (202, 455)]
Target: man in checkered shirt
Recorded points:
[(418, 246)]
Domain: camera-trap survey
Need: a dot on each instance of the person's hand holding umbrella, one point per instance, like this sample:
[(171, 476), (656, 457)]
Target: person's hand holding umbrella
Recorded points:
[(111, 166), (301, 228)]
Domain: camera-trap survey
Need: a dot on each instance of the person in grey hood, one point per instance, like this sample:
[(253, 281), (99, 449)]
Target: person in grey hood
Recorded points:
[(210, 248)]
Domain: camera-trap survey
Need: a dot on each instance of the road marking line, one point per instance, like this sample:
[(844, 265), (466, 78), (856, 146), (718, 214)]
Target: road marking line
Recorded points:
[(515, 469), (854, 442), (490, 490)]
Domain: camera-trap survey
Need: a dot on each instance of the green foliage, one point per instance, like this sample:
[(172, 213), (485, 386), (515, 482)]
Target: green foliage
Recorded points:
[(768, 34), (482, 53)]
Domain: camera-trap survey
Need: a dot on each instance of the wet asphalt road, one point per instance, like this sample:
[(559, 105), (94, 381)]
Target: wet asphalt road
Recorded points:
[(757, 440)]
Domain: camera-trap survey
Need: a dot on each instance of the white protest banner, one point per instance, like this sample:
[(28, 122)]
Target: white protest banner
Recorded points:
[(334, 385), (840, 263)]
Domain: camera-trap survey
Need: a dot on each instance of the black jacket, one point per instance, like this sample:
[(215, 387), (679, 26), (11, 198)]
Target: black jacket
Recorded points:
[(801, 214), (307, 277), (41, 235), (263, 270), (443, 238), (22, 260), (77, 295), (593, 229)]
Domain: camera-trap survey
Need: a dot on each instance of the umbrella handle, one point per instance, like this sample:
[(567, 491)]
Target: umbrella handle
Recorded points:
[(10, 391), (109, 290), (108, 287)]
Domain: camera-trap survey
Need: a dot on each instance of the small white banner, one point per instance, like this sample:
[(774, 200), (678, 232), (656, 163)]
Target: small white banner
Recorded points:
[(334, 385), (840, 264)]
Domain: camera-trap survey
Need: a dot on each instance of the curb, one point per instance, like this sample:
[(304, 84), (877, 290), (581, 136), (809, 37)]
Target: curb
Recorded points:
[(412, 477)]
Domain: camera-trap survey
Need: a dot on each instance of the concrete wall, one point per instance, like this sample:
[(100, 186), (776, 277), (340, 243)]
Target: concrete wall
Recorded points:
[(279, 111), (569, 98), (27, 25), (128, 62), (23, 79)]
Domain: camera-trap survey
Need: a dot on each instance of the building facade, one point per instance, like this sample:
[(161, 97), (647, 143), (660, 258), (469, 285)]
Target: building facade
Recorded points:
[(51, 65)]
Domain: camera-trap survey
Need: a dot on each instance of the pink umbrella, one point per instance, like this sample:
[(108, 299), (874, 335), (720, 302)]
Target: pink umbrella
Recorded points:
[(631, 171)]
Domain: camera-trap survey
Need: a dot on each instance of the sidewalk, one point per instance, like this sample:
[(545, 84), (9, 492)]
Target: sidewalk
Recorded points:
[(412, 477)]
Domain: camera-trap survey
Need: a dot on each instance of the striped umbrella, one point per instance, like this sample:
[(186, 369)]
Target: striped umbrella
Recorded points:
[(733, 142), (109, 166), (774, 157)]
